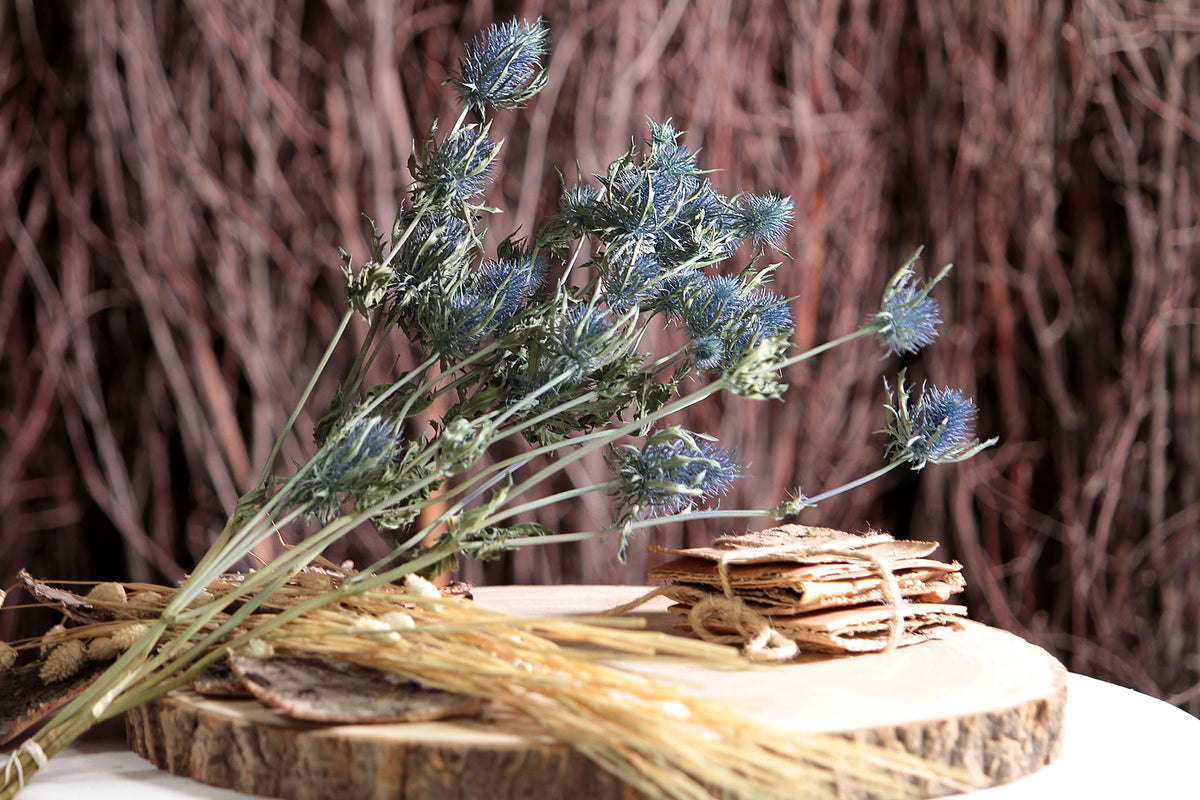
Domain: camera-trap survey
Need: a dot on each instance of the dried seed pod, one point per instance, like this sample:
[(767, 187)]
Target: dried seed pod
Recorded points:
[(398, 620), (8, 656), (416, 585), (257, 648), (63, 662), (50, 638), (314, 581), (107, 593), (126, 635), (373, 624), (102, 648), (146, 604)]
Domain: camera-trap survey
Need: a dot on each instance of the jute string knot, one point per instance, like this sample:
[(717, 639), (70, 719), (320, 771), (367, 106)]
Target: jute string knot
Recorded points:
[(759, 641)]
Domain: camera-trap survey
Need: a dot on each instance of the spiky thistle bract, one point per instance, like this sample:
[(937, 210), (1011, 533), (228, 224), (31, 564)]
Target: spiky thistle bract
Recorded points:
[(908, 317), (938, 427), (502, 66)]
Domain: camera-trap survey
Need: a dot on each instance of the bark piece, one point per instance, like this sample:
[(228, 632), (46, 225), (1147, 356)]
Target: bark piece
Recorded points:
[(25, 699), (219, 680), (333, 691)]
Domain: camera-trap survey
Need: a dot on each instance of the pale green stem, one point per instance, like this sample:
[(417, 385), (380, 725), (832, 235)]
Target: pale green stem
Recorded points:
[(686, 516), (548, 500), (856, 483), (337, 336), (358, 368), (821, 348)]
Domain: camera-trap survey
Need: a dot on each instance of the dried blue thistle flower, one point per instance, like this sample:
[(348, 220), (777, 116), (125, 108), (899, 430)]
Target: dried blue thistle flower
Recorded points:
[(763, 315), (938, 429), (633, 281), (437, 253), (353, 458), (677, 288), (674, 470), (725, 319), (578, 207), (908, 316), (510, 281), (502, 66), (707, 315), (667, 155), (584, 341), (645, 204), (701, 232), (764, 219), (453, 326), (456, 169)]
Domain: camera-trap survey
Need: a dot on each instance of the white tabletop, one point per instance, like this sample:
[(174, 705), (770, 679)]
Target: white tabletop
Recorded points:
[(1117, 743)]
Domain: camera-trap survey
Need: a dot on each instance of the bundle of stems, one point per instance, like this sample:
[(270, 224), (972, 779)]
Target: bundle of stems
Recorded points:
[(545, 373)]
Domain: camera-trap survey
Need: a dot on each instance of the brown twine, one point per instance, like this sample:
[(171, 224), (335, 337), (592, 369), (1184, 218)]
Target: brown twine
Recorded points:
[(891, 592)]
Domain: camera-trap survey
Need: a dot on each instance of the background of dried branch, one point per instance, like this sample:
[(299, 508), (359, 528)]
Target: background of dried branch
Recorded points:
[(176, 178)]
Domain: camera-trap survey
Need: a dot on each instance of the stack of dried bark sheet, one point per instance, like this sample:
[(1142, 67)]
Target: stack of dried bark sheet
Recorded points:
[(826, 590)]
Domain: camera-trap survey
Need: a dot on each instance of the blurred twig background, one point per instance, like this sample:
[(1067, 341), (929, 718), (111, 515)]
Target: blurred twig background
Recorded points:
[(176, 178)]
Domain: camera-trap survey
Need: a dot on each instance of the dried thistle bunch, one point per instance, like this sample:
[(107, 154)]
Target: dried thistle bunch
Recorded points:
[(538, 343)]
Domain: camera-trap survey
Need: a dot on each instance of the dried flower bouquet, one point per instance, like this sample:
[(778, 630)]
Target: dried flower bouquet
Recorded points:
[(540, 344)]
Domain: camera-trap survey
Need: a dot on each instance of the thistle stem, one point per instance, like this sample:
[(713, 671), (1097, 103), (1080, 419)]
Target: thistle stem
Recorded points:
[(312, 382)]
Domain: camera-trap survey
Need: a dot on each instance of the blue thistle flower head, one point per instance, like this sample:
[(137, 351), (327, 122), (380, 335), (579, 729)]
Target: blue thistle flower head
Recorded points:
[(510, 281), (667, 155), (908, 317), (939, 428), (454, 326), (701, 232), (711, 314), (674, 470), (436, 252), (710, 352), (579, 206), (584, 342), (715, 301), (677, 288), (727, 318), (763, 314), (764, 219), (644, 204), (502, 66), (634, 281), (457, 169), (353, 457)]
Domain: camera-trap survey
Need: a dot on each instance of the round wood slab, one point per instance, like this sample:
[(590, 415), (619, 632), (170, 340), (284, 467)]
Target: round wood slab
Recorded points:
[(981, 698)]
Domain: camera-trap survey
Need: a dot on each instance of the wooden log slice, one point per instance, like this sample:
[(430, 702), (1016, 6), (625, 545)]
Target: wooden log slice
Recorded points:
[(981, 698)]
